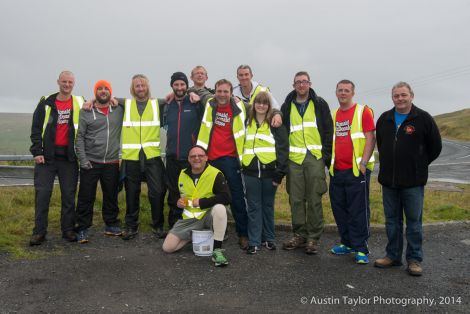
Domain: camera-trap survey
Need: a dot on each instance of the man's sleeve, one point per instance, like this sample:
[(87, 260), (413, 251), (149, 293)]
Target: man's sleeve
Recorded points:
[(368, 120), (221, 193), (36, 148), (80, 141), (433, 139), (274, 102)]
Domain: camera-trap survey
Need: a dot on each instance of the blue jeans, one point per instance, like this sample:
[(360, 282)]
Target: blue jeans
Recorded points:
[(230, 167), (260, 198), (408, 201)]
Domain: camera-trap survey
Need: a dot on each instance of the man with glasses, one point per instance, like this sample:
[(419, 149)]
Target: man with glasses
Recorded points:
[(203, 196), (308, 119)]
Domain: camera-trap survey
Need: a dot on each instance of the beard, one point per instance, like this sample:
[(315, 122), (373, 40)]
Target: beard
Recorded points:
[(179, 93), (103, 100)]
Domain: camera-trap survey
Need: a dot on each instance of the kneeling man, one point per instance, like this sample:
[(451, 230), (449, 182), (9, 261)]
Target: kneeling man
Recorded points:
[(203, 196)]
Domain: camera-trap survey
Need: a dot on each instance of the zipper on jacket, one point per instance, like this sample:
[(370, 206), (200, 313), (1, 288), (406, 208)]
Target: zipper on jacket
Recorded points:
[(107, 138), (254, 139), (178, 131)]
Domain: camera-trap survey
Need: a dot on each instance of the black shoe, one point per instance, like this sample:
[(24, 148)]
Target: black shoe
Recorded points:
[(37, 239), (269, 245), (252, 249), (129, 233), (159, 233), (70, 236)]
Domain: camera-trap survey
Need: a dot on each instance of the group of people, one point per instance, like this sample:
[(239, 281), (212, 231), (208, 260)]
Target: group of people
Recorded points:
[(229, 148)]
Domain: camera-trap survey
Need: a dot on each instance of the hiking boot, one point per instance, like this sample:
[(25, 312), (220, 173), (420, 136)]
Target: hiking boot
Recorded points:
[(82, 236), (341, 250), (113, 231), (252, 249), (69, 236), (218, 258), (386, 262), (361, 258), (295, 242), (37, 239), (129, 233), (311, 247), (159, 233), (414, 268), (269, 245), (243, 242)]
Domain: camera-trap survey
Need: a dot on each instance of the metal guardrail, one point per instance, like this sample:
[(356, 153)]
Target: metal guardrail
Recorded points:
[(15, 157), (16, 172)]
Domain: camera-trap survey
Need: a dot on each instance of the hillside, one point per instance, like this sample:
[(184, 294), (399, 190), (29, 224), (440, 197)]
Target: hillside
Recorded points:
[(16, 129), (454, 125)]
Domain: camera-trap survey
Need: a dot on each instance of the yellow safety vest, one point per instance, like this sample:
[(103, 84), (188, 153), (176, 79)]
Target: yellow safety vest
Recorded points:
[(140, 132), (358, 140), (304, 134), (77, 103), (258, 89), (238, 127), (259, 142), (203, 189)]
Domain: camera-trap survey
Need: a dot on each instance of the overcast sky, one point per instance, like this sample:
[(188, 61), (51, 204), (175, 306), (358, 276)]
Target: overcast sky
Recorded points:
[(373, 43)]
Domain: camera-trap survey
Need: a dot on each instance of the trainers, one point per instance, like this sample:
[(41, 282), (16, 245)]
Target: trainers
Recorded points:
[(69, 236), (269, 245), (311, 247), (129, 233), (37, 239), (218, 258), (252, 249), (113, 231), (341, 250), (361, 258), (82, 236), (414, 268), (386, 262), (293, 243), (243, 242), (159, 233)]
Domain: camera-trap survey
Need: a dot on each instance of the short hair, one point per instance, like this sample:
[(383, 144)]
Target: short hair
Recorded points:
[(197, 146), (346, 82), (198, 67), (66, 72), (403, 84), (261, 98), (142, 78), (302, 73), (244, 67), (224, 81)]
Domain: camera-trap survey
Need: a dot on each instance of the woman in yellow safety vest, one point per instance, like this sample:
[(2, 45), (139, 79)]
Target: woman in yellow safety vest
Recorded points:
[(264, 161)]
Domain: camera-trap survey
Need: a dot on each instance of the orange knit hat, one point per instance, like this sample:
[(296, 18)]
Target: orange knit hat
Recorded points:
[(103, 83)]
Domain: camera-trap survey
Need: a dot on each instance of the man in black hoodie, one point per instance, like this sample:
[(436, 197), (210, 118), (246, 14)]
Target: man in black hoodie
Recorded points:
[(308, 120), (408, 140)]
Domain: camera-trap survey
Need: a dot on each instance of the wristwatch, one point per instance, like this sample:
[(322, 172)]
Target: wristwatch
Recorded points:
[(364, 163)]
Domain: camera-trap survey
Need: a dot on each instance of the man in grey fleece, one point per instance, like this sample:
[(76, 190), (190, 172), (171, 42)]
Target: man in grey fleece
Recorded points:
[(97, 147)]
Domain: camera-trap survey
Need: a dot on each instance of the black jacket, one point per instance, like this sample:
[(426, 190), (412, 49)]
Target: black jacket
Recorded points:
[(278, 168), (47, 147), (405, 154), (324, 121)]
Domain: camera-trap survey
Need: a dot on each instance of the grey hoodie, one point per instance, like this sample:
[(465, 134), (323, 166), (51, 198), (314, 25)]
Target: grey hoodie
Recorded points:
[(99, 136)]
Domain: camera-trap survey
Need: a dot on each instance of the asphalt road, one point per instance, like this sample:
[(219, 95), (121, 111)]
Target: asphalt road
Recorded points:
[(109, 275)]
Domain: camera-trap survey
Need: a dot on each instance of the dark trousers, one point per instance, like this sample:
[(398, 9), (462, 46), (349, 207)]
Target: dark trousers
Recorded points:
[(173, 170), (349, 197), (230, 167), (108, 176), (151, 170), (44, 176)]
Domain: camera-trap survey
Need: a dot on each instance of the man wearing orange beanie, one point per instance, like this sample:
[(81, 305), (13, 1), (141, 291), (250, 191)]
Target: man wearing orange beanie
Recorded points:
[(97, 147)]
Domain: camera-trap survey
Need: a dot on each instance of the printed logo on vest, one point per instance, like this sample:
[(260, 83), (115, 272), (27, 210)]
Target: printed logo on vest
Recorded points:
[(409, 129)]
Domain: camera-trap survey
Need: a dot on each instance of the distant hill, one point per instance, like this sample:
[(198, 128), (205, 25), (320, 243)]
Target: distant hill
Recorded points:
[(15, 132), (454, 125)]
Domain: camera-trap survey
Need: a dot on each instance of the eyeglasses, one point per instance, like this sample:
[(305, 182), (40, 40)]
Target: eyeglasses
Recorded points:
[(197, 156), (304, 82)]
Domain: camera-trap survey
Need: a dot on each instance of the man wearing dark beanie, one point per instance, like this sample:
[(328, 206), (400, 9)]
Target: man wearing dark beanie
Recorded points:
[(97, 146), (182, 120)]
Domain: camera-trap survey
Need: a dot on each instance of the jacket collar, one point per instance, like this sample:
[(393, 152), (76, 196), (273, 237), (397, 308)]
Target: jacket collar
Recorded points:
[(413, 113)]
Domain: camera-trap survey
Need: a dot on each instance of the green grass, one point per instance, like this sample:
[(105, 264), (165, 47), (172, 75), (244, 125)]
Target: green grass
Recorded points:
[(16, 129), (17, 213), (452, 125)]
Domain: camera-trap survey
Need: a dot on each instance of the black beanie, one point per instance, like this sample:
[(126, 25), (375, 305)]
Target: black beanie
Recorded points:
[(179, 76)]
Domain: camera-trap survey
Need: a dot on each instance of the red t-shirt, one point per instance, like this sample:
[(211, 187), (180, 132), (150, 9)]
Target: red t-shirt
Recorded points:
[(343, 144), (64, 109), (222, 142), (104, 110)]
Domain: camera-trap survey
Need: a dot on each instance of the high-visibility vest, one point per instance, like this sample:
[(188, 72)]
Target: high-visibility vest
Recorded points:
[(358, 140), (203, 189), (303, 134), (258, 89), (77, 103), (140, 132), (259, 142), (238, 127)]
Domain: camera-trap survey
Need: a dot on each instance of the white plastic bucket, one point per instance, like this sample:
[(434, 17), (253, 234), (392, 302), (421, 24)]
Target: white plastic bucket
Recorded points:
[(203, 242)]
